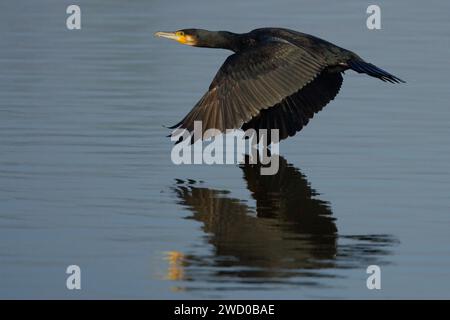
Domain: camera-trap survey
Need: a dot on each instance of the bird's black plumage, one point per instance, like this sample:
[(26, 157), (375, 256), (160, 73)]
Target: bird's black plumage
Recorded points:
[(276, 79), (294, 111)]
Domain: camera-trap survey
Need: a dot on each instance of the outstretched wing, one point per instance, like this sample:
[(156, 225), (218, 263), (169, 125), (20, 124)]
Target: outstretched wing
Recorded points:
[(294, 112), (251, 81)]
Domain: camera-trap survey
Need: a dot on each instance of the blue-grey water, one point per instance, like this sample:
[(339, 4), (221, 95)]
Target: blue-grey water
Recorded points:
[(86, 176)]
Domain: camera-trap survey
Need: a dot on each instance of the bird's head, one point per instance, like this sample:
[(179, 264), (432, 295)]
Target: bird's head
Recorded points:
[(200, 38)]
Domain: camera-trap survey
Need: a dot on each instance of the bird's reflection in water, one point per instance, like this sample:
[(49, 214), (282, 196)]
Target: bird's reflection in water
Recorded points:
[(291, 233)]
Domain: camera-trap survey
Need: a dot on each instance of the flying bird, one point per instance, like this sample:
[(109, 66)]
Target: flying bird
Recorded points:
[(276, 79)]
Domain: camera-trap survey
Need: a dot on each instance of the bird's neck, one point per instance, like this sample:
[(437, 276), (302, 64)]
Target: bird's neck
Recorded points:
[(225, 40)]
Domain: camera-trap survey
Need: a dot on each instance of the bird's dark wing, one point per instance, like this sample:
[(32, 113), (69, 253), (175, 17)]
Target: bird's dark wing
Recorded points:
[(294, 112), (251, 81)]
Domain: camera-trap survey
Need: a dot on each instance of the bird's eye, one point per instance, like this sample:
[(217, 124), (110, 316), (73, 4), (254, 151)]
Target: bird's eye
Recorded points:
[(180, 33)]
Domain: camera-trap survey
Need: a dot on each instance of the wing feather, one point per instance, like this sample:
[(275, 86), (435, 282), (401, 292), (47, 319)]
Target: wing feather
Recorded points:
[(251, 81), (295, 111)]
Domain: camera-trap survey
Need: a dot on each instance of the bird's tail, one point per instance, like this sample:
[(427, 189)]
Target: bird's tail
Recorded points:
[(361, 66)]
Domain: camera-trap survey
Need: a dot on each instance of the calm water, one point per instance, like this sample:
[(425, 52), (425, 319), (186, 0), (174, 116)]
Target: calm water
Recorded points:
[(86, 176)]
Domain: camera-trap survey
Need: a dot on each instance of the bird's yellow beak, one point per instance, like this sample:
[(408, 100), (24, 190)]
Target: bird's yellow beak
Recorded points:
[(177, 36), (168, 35)]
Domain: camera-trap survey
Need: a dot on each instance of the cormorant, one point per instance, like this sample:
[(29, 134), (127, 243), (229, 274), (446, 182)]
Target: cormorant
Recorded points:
[(276, 79)]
